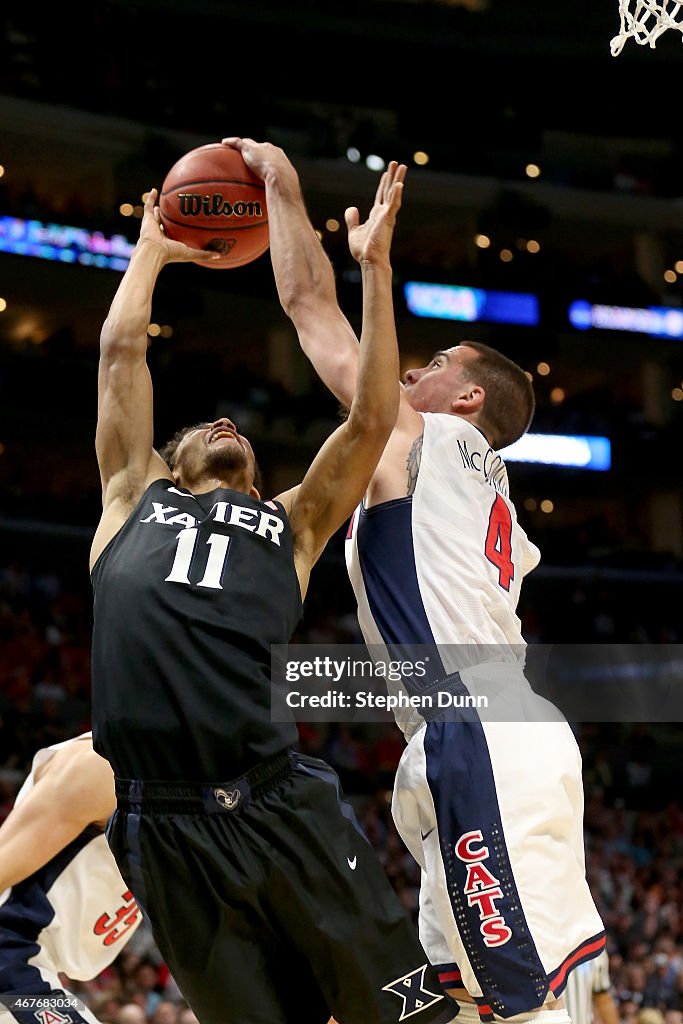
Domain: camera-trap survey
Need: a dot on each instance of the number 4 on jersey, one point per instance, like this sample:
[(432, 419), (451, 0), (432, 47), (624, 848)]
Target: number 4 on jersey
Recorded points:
[(498, 546)]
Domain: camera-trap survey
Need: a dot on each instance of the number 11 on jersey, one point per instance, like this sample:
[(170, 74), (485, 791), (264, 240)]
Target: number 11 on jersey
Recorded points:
[(184, 552)]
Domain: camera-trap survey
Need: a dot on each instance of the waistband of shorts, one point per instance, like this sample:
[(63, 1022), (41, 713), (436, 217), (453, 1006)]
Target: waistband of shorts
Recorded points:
[(453, 685), (204, 798)]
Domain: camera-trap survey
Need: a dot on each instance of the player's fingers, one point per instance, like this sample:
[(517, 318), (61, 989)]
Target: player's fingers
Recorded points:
[(352, 218), (396, 196), (380, 194), (205, 255), (233, 140), (389, 178)]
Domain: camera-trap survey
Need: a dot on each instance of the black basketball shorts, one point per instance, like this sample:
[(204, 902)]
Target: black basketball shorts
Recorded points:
[(268, 904)]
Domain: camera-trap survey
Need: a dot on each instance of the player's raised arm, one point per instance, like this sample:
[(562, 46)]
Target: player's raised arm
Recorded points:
[(124, 434), (304, 276), (341, 472)]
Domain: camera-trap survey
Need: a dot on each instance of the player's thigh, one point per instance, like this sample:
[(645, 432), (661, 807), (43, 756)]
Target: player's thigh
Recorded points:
[(202, 901), (335, 900)]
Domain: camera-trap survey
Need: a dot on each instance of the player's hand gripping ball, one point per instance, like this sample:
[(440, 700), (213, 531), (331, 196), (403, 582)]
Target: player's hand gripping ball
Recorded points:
[(210, 199)]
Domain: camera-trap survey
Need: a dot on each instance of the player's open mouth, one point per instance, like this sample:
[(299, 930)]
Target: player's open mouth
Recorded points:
[(222, 435)]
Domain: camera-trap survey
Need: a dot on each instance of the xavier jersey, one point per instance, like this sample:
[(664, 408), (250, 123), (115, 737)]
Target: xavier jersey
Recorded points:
[(190, 595), (72, 916), (444, 565)]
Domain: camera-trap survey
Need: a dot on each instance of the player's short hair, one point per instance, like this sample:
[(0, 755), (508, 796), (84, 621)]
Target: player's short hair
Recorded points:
[(169, 450), (510, 403)]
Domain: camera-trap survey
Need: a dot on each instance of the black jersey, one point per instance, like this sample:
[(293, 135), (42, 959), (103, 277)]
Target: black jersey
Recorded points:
[(189, 596)]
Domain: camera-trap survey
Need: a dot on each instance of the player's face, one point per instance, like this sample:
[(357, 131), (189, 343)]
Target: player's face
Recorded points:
[(434, 387), (217, 450)]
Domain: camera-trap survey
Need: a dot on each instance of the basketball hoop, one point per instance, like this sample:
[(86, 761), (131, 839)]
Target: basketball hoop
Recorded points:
[(646, 22)]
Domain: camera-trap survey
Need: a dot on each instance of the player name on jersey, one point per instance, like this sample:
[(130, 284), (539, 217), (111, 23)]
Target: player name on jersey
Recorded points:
[(263, 524), (488, 463)]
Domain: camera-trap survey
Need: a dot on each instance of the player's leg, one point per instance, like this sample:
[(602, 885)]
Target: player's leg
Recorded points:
[(331, 894), (495, 807), (197, 880)]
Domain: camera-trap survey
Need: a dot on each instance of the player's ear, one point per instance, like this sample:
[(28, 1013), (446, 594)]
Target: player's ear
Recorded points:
[(469, 399)]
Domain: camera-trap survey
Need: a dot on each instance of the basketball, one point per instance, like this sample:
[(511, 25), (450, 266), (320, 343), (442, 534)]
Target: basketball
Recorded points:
[(211, 200)]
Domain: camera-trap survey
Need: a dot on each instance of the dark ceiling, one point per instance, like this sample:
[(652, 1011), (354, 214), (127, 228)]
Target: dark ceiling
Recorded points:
[(444, 70), (473, 82)]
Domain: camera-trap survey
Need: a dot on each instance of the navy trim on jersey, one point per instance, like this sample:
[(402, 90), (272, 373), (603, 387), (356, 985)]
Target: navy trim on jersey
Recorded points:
[(23, 916), (20, 978), (387, 561), (586, 951), (460, 777), (27, 909)]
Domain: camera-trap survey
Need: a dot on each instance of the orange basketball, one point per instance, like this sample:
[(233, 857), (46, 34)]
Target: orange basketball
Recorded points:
[(211, 200)]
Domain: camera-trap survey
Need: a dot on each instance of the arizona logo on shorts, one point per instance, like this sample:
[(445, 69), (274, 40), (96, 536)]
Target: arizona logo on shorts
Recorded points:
[(52, 1017), (411, 989)]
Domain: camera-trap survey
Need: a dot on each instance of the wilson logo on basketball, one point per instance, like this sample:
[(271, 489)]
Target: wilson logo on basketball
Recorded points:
[(114, 927), (191, 204)]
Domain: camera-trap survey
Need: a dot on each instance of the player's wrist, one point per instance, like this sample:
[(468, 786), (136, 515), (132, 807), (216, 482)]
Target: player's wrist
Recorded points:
[(377, 264)]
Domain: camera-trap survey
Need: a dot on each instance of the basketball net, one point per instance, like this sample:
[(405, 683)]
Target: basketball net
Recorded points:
[(646, 22)]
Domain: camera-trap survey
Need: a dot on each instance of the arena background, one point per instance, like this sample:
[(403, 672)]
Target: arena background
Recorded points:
[(97, 102)]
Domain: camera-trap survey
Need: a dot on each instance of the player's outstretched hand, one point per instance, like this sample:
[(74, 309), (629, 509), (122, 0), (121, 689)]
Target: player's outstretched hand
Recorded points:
[(370, 242), (263, 158), (151, 230)]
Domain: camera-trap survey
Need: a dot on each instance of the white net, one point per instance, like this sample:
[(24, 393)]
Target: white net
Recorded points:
[(646, 22)]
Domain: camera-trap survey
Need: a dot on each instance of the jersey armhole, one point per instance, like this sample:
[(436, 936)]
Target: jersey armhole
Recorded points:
[(107, 547)]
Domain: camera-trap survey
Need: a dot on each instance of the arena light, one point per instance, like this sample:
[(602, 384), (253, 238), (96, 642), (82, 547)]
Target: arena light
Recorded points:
[(660, 321), (569, 450), (454, 302), (64, 244)]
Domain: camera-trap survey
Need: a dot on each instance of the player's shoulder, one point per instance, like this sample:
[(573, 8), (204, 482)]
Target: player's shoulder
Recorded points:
[(451, 425), (72, 760), (61, 752)]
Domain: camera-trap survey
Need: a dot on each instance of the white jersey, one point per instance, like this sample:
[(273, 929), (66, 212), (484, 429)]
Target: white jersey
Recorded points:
[(489, 803), (72, 916), (586, 981), (445, 565)]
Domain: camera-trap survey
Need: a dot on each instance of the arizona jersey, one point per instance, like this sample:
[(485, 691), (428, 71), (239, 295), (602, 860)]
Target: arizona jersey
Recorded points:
[(72, 916), (489, 804), (190, 595), (443, 566)]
